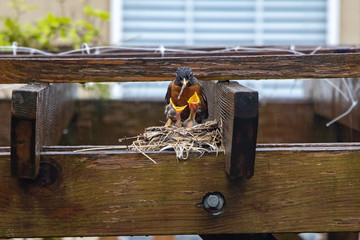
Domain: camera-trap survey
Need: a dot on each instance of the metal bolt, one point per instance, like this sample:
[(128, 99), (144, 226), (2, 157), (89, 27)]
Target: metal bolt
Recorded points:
[(214, 203)]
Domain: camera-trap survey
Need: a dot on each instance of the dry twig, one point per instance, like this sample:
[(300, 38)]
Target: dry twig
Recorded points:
[(202, 138)]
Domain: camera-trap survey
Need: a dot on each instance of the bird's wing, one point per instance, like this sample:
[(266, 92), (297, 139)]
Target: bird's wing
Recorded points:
[(168, 93)]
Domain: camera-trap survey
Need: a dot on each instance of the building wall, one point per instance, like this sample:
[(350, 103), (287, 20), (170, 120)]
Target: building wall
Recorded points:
[(349, 15), (350, 22)]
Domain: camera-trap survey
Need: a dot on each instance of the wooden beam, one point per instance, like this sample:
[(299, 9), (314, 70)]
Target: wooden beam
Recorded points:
[(40, 113), (5, 121), (287, 236), (237, 108), (52, 69), (343, 236), (300, 188), (257, 236)]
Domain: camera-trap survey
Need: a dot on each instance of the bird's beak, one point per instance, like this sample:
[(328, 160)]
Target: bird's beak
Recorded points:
[(194, 99), (176, 108), (184, 83)]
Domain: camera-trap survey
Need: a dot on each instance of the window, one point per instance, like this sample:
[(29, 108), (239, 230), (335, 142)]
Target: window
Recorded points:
[(228, 22)]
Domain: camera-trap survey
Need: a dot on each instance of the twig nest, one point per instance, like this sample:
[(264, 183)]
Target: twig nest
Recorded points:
[(201, 138)]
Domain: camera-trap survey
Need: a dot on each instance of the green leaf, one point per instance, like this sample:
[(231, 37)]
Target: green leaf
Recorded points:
[(90, 11), (49, 30), (21, 5)]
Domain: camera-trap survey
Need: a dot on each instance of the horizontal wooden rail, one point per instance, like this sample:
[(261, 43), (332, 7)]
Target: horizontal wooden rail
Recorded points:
[(52, 69), (301, 188)]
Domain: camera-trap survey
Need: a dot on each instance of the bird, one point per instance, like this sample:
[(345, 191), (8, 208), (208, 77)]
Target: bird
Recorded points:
[(193, 105), (182, 88), (173, 114)]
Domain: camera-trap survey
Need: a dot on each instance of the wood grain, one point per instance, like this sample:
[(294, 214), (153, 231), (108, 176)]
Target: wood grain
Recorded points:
[(237, 108), (39, 114), (5, 120), (52, 69), (25, 140), (343, 236), (303, 188), (257, 236)]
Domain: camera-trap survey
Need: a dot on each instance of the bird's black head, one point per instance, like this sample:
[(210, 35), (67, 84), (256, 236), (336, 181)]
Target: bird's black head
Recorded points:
[(184, 75)]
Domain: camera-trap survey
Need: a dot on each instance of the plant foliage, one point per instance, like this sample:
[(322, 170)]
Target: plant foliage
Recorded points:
[(51, 31)]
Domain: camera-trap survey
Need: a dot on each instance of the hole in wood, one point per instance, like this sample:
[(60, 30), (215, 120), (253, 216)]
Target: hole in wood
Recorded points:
[(48, 174), (46, 182)]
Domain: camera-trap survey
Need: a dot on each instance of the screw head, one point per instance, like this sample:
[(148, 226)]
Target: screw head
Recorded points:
[(213, 203)]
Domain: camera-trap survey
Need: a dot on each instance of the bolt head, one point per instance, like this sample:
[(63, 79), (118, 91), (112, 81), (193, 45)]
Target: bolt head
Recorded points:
[(214, 203)]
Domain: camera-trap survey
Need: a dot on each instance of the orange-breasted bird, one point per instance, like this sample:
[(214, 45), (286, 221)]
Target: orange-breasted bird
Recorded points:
[(173, 114), (182, 88), (193, 105)]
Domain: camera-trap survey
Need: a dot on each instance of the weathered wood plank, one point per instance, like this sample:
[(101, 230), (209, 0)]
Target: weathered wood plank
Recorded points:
[(25, 138), (5, 120), (50, 69), (256, 236), (343, 236), (287, 236), (40, 113), (294, 189), (237, 108)]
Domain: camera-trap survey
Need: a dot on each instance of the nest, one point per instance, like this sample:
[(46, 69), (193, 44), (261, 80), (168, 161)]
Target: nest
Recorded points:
[(202, 138)]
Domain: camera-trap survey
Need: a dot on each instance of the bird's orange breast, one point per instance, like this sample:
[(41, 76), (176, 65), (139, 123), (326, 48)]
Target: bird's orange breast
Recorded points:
[(185, 95)]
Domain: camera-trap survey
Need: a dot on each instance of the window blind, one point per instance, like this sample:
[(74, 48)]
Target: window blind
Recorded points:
[(228, 22)]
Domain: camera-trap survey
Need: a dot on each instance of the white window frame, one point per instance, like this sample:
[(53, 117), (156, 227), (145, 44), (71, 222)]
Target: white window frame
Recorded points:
[(333, 22), (116, 22)]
